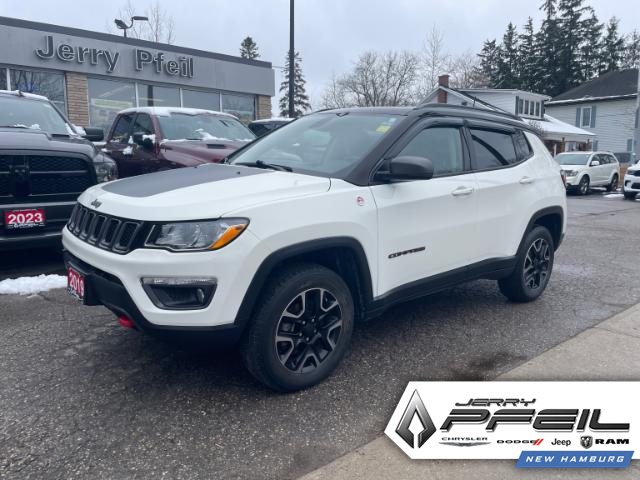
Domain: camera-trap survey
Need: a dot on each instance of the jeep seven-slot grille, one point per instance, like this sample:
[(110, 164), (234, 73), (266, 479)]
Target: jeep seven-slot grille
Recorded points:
[(111, 233)]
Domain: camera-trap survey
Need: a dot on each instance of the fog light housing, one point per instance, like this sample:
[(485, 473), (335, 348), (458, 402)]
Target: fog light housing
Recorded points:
[(180, 293)]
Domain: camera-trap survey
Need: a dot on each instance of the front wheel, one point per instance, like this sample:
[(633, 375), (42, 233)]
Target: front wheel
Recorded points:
[(301, 328), (583, 186), (629, 195), (613, 185), (533, 267)]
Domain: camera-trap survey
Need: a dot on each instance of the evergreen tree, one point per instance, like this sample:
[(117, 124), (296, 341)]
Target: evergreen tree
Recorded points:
[(300, 98), (249, 49), (612, 47), (571, 28), (528, 57), (591, 49), (547, 41), (632, 51), (509, 60), (489, 60)]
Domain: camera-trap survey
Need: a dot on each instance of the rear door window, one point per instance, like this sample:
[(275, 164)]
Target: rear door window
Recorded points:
[(492, 149)]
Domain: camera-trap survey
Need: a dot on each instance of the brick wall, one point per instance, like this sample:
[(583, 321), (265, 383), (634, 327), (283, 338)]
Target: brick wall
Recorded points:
[(77, 98), (264, 107)]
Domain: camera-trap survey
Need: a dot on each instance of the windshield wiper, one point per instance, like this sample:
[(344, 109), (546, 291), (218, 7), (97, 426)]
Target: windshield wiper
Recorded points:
[(16, 126), (263, 164)]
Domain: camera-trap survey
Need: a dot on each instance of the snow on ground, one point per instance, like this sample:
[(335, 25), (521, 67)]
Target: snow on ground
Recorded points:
[(614, 195), (31, 285)]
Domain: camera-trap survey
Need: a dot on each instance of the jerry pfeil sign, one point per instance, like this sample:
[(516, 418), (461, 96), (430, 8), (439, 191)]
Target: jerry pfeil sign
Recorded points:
[(180, 66)]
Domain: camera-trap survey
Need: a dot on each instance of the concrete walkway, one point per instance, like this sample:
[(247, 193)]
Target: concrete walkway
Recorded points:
[(608, 351)]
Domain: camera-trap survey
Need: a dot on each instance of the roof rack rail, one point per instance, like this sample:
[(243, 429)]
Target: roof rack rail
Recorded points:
[(446, 106)]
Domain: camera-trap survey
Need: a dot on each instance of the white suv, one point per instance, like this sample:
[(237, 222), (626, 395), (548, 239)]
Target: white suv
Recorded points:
[(325, 221), (584, 170), (631, 184)]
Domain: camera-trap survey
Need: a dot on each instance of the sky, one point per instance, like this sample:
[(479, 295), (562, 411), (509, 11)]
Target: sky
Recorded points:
[(330, 34)]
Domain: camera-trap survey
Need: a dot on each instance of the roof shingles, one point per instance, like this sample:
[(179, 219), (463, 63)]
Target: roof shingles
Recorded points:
[(610, 85)]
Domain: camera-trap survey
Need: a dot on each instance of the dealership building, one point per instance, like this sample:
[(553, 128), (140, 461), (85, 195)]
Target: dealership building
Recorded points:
[(92, 75)]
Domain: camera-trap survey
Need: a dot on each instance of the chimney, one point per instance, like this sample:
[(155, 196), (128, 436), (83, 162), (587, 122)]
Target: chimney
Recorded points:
[(443, 81)]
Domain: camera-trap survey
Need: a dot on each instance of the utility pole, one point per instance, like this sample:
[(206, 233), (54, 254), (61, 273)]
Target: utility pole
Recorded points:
[(292, 110)]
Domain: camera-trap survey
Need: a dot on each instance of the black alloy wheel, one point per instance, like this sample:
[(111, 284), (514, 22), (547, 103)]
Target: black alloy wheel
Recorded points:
[(308, 330)]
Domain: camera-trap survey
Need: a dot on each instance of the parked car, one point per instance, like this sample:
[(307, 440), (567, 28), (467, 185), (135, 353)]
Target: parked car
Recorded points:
[(149, 139), (330, 220), (262, 127), (44, 165), (584, 170), (631, 184)]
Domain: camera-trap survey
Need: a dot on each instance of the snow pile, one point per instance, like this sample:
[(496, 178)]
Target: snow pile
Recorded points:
[(31, 285), (614, 195)]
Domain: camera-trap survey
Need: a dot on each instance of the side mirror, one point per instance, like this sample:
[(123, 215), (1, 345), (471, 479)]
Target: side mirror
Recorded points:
[(408, 168), (594, 163), (145, 141), (93, 134)]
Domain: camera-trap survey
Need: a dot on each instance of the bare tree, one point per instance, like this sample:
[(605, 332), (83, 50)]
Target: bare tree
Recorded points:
[(464, 71), (377, 79), (159, 28), (434, 61)]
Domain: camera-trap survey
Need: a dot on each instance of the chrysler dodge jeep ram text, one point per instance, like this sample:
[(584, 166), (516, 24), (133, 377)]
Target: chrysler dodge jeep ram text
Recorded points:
[(325, 221), (44, 165), (150, 139)]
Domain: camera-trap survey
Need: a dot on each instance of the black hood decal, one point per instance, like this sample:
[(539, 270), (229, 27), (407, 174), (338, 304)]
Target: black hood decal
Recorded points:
[(161, 182)]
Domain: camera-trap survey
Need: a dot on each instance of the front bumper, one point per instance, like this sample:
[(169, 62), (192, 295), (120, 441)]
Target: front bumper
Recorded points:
[(631, 184), (56, 215), (102, 288), (113, 276)]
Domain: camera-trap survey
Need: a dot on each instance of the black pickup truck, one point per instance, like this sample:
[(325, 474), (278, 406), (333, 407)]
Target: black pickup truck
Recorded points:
[(45, 163)]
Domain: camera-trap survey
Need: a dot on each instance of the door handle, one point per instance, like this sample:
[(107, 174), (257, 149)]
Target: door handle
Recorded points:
[(462, 191), (526, 180)]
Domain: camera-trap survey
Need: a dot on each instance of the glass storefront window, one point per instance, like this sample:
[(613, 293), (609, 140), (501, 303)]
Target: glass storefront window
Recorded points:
[(155, 96), (242, 106), (48, 84), (3, 79), (198, 99), (106, 99)]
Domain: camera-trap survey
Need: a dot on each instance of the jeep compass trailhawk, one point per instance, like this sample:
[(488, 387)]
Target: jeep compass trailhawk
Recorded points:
[(325, 221)]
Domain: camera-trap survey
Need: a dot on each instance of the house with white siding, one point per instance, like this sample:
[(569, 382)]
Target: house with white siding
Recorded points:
[(605, 106), (558, 136)]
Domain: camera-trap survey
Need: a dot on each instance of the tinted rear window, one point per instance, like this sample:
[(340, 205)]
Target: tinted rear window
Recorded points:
[(492, 149)]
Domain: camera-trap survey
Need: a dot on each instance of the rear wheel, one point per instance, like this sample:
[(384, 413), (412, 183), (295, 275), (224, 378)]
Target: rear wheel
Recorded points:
[(613, 185), (533, 267), (301, 329), (583, 186)]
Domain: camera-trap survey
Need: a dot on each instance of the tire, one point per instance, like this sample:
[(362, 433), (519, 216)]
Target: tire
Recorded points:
[(583, 186), (613, 185), (537, 253), (629, 195), (293, 340)]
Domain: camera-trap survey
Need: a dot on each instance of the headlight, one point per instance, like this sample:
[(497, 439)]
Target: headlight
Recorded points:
[(106, 170), (206, 235), (570, 173)]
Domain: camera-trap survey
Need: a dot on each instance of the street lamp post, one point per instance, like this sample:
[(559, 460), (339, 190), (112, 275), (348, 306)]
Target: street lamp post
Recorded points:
[(292, 111), (124, 27)]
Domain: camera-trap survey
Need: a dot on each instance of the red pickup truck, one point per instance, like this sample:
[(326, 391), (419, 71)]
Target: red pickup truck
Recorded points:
[(150, 139)]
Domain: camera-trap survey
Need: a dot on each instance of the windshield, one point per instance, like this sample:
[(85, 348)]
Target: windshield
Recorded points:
[(203, 126), (328, 144), (573, 158), (21, 112)]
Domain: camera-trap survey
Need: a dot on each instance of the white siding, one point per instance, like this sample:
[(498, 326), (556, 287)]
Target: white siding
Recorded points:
[(615, 120)]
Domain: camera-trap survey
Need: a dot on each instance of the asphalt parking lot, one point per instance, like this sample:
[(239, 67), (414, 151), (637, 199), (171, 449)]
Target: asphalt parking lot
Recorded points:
[(82, 397)]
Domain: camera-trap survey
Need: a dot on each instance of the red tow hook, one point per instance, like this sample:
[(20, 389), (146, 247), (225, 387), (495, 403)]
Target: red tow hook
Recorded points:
[(125, 322)]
